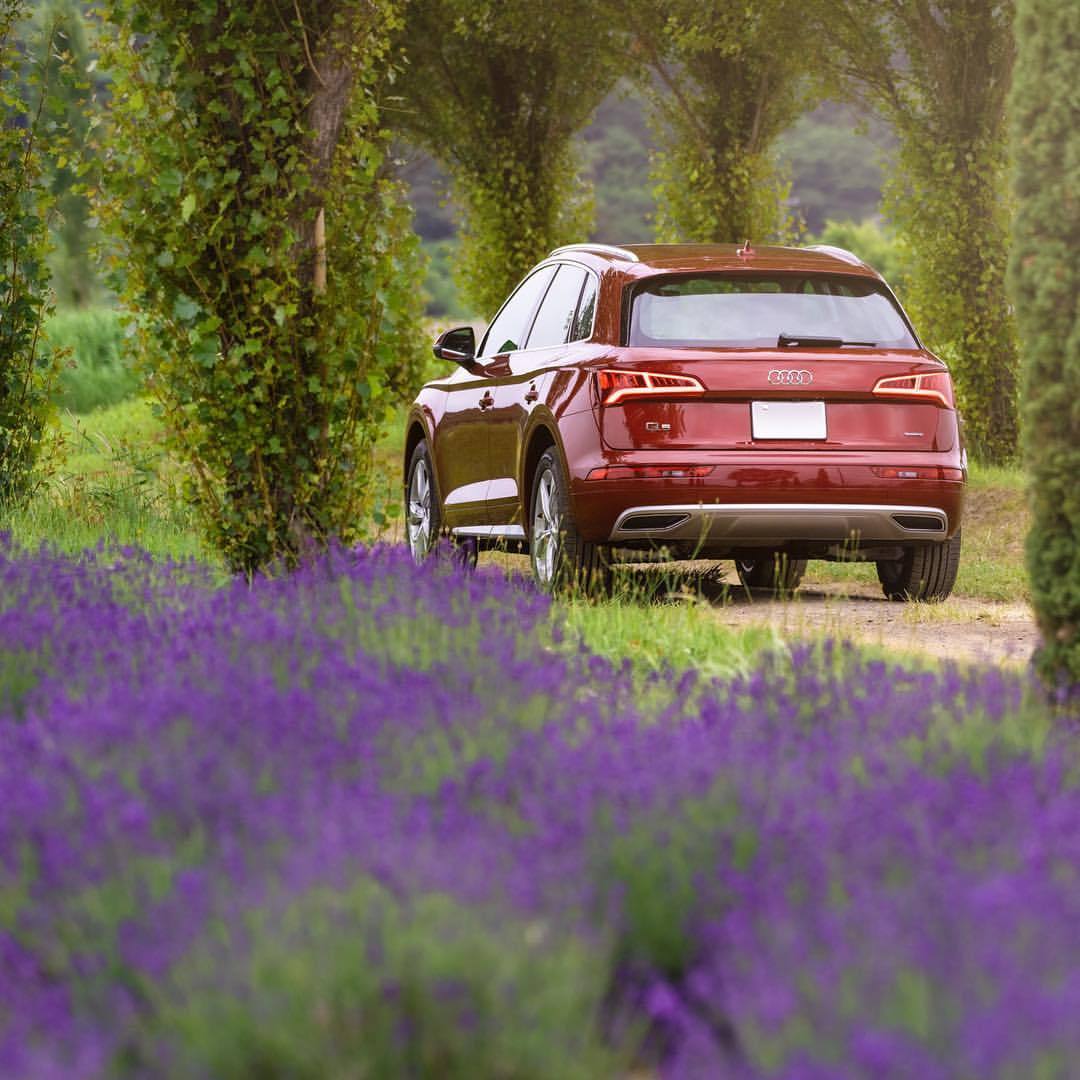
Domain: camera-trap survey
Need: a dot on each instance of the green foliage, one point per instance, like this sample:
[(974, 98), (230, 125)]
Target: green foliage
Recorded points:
[(266, 252), (877, 244), (1045, 284), (942, 81), (330, 981), (726, 80), (27, 373), (59, 38), (97, 370), (496, 94)]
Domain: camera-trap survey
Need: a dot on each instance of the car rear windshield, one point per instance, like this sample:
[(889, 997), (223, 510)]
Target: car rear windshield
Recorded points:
[(757, 311)]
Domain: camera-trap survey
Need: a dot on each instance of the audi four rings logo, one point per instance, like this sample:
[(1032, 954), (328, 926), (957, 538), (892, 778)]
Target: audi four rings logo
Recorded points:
[(786, 377)]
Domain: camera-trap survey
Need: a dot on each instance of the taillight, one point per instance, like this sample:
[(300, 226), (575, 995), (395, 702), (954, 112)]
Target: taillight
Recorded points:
[(649, 472), (616, 386), (917, 472), (936, 386)]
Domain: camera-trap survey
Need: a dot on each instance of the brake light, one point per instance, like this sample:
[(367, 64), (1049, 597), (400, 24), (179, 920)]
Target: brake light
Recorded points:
[(936, 386), (649, 472), (917, 472), (616, 386)]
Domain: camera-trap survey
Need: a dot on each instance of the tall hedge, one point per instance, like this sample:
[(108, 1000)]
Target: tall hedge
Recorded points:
[(265, 251), (1045, 283), (26, 373)]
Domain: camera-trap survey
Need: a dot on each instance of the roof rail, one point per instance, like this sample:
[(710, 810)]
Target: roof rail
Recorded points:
[(836, 253), (597, 249)]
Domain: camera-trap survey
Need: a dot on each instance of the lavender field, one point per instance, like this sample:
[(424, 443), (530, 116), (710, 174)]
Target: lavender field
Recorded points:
[(374, 821)]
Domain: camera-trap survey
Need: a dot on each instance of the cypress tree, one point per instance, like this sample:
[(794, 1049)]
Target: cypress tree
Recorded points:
[(1045, 282)]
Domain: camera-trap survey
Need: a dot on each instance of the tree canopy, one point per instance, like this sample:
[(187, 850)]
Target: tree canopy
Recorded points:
[(725, 81), (497, 93)]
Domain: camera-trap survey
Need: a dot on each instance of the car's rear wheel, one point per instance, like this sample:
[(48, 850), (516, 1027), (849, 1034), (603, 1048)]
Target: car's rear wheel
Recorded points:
[(560, 557), (772, 570), (925, 571), (423, 515)]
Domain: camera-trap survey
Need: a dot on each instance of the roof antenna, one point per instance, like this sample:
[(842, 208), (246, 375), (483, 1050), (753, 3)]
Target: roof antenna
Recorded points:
[(745, 251)]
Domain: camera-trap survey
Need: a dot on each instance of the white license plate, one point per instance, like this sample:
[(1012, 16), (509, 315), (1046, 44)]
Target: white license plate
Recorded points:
[(788, 419)]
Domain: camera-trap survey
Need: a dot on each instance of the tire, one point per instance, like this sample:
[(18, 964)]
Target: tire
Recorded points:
[(560, 558), (423, 514), (773, 570), (926, 572)]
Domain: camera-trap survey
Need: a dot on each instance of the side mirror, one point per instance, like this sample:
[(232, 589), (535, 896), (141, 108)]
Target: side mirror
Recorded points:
[(458, 345)]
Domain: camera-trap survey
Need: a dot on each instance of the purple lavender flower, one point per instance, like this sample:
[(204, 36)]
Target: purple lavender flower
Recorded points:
[(377, 818)]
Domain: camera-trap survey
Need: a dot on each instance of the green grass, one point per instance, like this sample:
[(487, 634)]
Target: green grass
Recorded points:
[(115, 484), (1007, 477), (653, 635)]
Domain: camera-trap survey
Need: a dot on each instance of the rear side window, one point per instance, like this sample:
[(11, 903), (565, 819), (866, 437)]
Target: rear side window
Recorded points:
[(556, 314), (586, 311), (507, 332), (755, 311)]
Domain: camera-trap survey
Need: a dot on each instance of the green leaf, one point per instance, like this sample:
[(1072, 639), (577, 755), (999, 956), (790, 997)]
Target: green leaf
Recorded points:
[(187, 207)]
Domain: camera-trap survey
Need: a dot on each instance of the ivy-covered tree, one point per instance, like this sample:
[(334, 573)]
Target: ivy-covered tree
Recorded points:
[(1045, 284), (725, 81), (265, 251), (496, 91), (26, 374), (940, 71)]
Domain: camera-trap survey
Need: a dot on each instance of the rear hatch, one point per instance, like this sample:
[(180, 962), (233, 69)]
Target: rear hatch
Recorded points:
[(780, 399)]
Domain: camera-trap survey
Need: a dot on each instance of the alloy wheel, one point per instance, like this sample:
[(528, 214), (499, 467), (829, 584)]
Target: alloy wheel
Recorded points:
[(545, 529), (419, 523)]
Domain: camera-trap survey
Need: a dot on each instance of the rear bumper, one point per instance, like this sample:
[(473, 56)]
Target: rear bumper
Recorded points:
[(775, 524), (759, 498)]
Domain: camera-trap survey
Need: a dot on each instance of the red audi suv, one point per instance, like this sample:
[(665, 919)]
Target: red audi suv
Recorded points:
[(766, 405)]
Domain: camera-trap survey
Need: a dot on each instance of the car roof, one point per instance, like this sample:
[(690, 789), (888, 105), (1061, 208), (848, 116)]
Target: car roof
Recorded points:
[(644, 260)]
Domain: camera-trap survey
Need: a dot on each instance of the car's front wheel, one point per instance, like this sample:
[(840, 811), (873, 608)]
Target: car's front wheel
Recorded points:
[(423, 516), (925, 571), (772, 570), (560, 557)]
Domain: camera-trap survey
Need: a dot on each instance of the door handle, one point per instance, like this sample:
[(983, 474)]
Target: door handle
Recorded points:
[(487, 401), (532, 395)]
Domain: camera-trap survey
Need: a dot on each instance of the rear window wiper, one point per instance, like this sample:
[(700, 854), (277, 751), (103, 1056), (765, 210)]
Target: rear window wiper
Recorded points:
[(812, 340)]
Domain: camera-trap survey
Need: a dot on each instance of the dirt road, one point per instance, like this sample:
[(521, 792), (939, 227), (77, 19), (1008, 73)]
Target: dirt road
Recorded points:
[(960, 628)]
